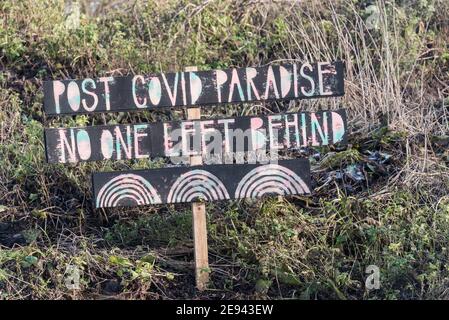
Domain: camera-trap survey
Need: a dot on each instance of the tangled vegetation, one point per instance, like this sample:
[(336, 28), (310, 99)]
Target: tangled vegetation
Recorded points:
[(383, 200)]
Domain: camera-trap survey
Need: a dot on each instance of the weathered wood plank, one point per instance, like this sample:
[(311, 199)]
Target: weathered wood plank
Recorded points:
[(138, 92), (215, 140), (208, 183), (199, 219)]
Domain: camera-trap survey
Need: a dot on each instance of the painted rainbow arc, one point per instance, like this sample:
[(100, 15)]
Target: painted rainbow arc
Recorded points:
[(197, 184), (127, 187), (270, 179)]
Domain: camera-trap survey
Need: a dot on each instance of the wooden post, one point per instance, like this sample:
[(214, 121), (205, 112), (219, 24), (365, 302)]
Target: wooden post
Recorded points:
[(199, 219)]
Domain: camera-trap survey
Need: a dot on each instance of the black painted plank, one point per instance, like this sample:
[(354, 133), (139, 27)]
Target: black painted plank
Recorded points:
[(230, 136), (133, 93), (209, 183)]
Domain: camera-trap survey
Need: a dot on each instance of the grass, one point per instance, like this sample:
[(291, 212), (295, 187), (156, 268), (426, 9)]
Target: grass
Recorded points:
[(382, 200)]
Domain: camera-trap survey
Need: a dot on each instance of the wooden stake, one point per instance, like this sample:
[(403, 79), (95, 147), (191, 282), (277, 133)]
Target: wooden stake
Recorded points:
[(199, 219)]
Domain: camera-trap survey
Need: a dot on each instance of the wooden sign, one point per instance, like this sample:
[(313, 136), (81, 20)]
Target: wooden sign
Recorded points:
[(218, 140), (132, 93), (209, 183), (239, 140)]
